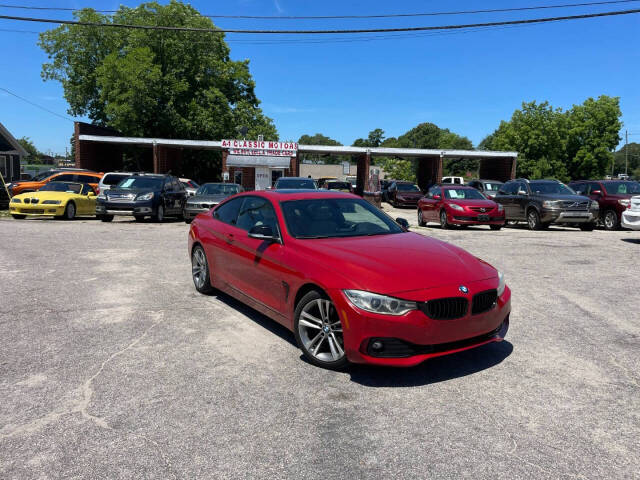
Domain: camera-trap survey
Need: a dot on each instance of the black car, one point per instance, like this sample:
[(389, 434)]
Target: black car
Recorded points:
[(543, 202), (488, 187), (208, 196), (295, 183), (141, 196)]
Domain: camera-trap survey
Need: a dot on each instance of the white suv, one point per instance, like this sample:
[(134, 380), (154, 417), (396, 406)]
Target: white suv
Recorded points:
[(111, 179), (631, 216)]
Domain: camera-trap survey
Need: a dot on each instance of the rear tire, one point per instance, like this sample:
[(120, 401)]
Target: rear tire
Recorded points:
[(495, 227), (318, 331), (19, 217), (106, 218), (611, 220), (444, 223), (421, 221), (200, 271)]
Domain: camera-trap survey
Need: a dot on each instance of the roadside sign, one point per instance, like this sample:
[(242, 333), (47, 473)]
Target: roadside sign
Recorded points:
[(225, 176)]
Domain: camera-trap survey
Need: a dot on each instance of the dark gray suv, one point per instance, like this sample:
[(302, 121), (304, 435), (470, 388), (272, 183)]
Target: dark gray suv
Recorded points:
[(543, 202)]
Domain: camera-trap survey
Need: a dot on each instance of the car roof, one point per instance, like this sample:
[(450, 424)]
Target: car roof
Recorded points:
[(295, 178), (299, 194), (458, 186)]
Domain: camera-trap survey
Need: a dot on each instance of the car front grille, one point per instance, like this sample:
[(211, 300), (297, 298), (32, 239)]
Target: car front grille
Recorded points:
[(571, 205), (445, 308), (481, 209), (120, 197), (483, 301), (33, 211)]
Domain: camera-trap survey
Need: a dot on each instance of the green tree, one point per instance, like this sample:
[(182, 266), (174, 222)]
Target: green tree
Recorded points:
[(320, 139), (633, 159), (154, 83), (33, 153), (592, 136)]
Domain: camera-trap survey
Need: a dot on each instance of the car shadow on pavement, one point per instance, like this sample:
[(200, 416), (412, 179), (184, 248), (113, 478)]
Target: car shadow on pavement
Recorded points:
[(631, 240), (435, 370)]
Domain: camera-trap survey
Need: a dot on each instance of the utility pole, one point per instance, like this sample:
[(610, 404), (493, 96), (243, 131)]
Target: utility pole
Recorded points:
[(626, 151)]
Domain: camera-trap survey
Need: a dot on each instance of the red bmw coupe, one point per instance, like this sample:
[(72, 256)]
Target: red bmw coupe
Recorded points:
[(352, 284), (459, 205)]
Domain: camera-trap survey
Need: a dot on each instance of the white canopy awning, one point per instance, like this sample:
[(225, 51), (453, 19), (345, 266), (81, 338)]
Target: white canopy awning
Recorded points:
[(258, 161)]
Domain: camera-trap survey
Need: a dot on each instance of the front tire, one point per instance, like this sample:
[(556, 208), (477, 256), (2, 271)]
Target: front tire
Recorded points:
[(495, 227), (159, 215), (200, 271), (70, 211), (318, 331), (444, 223), (19, 217), (106, 218), (533, 220)]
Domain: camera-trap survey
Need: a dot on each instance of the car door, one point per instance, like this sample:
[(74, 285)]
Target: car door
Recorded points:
[(217, 236), (255, 266), (505, 198), (426, 205), (521, 202)]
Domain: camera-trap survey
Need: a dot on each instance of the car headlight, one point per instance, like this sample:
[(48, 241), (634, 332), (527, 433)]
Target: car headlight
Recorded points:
[(51, 202), (595, 205), (16, 200), (455, 206), (549, 203), (145, 196), (372, 302), (500, 207), (501, 283), (625, 202)]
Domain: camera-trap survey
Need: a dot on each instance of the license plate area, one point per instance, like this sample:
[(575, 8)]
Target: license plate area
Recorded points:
[(483, 218)]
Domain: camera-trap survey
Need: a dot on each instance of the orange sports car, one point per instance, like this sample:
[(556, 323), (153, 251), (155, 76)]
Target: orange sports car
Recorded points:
[(79, 176)]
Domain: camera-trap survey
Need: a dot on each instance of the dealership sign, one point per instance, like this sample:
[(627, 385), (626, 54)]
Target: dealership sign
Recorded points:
[(261, 148)]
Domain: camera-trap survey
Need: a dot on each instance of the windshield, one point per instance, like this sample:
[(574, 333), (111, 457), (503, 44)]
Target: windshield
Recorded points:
[(61, 187), (407, 187), (336, 217), (141, 182), (550, 187), (463, 194), (218, 189), (492, 187), (622, 188), (295, 183), (114, 178), (338, 185), (43, 176)]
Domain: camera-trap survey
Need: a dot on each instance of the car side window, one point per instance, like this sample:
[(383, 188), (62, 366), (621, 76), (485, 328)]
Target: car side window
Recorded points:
[(67, 177), (580, 188), (257, 211), (167, 185), (86, 179), (86, 189), (522, 187), (594, 186), (228, 211)]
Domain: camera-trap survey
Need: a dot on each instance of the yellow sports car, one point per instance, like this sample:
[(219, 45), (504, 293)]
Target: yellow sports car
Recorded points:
[(59, 199)]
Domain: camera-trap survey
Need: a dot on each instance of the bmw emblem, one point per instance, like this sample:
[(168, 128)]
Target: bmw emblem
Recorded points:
[(463, 289)]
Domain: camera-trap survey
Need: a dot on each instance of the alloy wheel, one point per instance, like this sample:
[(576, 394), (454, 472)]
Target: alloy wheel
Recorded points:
[(444, 223), (420, 218), (70, 211), (610, 220), (532, 220), (320, 331), (198, 268)]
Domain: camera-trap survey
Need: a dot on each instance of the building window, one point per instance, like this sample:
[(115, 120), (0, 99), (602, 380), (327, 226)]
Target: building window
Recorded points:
[(275, 175), (237, 177)]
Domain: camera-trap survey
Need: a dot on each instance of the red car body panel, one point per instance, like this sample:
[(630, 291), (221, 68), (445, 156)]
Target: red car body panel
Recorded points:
[(269, 276), (473, 209)]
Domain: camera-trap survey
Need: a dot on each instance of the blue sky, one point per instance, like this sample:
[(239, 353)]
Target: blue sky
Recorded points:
[(466, 82)]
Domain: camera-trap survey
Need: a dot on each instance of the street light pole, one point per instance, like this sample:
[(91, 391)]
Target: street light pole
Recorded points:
[(626, 151)]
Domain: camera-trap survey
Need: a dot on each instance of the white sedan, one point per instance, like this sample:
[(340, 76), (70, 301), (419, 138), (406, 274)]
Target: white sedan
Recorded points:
[(631, 216)]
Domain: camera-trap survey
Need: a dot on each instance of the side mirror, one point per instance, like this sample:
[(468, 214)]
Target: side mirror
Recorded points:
[(91, 194), (522, 192), (596, 192), (263, 232), (403, 223), (437, 197)]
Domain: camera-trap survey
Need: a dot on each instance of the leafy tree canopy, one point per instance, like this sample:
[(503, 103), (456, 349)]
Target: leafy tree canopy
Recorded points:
[(633, 158), (31, 149), (575, 144), (154, 83), (320, 139)]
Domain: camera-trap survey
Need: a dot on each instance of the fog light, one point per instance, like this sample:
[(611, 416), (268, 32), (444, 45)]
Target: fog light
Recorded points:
[(377, 346)]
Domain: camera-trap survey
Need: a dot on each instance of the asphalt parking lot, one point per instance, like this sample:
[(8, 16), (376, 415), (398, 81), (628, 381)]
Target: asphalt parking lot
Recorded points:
[(112, 366)]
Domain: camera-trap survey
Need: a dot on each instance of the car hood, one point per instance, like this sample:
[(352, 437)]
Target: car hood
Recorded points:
[(207, 198), (555, 196), (473, 203), (396, 263), (46, 195), (128, 191), (410, 194)]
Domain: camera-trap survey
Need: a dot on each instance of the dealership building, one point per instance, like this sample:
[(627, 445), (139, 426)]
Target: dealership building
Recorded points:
[(257, 163)]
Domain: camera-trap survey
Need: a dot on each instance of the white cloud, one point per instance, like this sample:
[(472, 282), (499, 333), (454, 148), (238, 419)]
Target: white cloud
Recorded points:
[(276, 3)]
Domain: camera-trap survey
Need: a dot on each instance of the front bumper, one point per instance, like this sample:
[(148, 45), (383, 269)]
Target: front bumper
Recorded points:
[(631, 219), (552, 215), (192, 212), (124, 208), (407, 202), (475, 218), (415, 337), (38, 209)]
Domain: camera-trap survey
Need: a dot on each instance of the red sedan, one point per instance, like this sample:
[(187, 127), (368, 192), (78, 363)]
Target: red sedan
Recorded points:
[(350, 282), (459, 205)]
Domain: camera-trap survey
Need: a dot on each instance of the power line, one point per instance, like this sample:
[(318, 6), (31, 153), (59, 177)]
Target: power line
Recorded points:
[(36, 105), (335, 17), (319, 32)]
